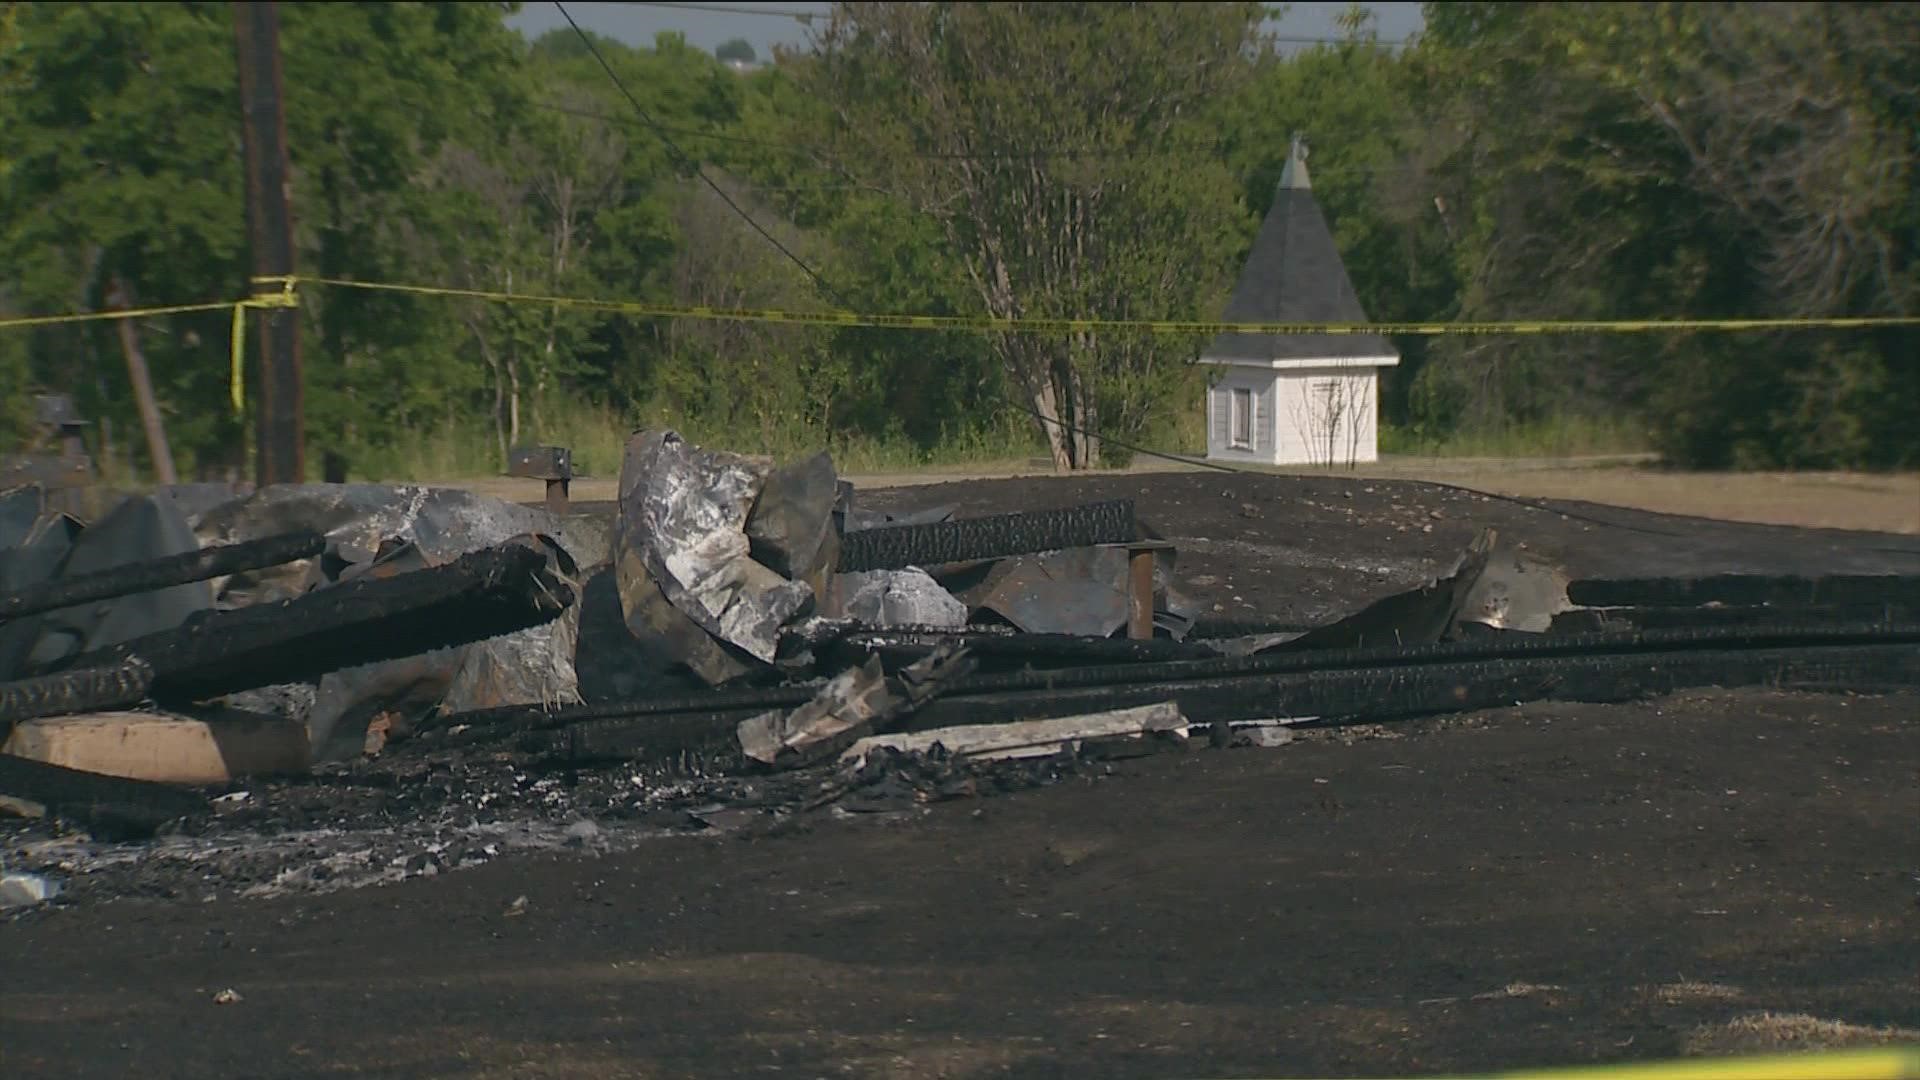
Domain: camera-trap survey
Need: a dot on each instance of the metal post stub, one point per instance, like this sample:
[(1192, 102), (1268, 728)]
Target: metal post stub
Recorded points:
[(1140, 586), (553, 464)]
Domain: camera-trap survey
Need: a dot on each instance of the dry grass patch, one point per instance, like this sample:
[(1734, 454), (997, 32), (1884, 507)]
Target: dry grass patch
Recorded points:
[(1688, 991), (1770, 1032), (1520, 990)]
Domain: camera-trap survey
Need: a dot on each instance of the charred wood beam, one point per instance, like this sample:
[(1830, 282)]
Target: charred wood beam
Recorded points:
[(904, 645), (163, 573), (478, 596), (694, 741), (1394, 693), (1032, 648), (92, 689), (1902, 589), (818, 632), (1507, 646), (1779, 616), (109, 807), (896, 547), (613, 715), (1365, 693), (748, 701)]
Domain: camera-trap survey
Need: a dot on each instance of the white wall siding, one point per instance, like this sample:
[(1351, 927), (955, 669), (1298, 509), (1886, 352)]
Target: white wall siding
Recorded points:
[(1325, 416), (1259, 382), (1328, 417), (1264, 401)]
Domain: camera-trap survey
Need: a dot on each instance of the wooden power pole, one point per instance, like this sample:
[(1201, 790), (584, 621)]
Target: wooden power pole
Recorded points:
[(281, 416)]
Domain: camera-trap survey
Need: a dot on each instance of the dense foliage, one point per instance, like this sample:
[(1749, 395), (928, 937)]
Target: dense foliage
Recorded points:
[(1516, 161)]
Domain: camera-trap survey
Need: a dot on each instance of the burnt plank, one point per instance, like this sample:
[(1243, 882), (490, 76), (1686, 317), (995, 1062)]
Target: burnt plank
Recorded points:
[(478, 596), (110, 807), (1747, 589), (89, 689), (163, 573), (896, 547)]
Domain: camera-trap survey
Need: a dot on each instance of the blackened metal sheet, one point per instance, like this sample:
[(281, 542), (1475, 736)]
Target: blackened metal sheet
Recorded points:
[(139, 529), (1417, 617), (1080, 591)]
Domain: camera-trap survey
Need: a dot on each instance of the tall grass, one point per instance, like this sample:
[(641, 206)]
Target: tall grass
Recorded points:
[(598, 435), (1568, 436)]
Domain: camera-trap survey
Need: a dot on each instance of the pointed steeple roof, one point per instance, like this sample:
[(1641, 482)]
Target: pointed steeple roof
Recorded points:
[(1294, 273)]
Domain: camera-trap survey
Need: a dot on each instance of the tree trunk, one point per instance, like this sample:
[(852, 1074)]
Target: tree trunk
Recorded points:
[(1086, 443), (1047, 404), (137, 374), (499, 387), (513, 401)]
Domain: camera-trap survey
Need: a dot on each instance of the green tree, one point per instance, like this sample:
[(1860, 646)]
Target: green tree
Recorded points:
[(880, 254), (961, 112), (424, 76), (122, 164), (739, 49), (16, 379), (1669, 160)]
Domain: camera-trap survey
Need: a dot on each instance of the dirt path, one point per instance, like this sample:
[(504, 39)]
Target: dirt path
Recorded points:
[(1546, 885)]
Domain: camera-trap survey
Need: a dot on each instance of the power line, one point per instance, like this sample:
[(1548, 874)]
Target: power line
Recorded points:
[(820, 282), (817, 154), (730, 9), (691, 133), (807, 17), (687, 162), (840, 298), (796, 148)]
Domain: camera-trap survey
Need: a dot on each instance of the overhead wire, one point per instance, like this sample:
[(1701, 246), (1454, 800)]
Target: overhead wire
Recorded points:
[(840, 298), (820, 282), (818, 154), (735, 9), (673, 149), (807, 17)]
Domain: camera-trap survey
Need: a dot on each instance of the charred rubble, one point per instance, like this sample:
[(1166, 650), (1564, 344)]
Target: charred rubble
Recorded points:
[(447, 676)]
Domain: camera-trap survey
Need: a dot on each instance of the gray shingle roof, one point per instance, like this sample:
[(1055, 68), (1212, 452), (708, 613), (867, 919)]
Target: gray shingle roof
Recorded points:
[(1294, 274)]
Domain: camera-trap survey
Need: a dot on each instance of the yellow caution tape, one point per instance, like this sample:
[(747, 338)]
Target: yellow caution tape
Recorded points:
[(279, 292), (25, 321), (285, 298), (1900, 1063), (1068, 326)]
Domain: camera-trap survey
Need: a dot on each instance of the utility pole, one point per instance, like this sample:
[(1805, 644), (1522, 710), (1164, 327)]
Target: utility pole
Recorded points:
[(281, 415)]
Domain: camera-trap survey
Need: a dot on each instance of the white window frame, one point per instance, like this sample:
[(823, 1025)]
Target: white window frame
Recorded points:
[(1240, 418)]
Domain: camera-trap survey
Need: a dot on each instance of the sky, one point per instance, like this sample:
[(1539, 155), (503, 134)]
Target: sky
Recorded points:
[(765, 25)]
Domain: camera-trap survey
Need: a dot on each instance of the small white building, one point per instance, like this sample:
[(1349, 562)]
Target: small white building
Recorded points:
[(1295, 399)]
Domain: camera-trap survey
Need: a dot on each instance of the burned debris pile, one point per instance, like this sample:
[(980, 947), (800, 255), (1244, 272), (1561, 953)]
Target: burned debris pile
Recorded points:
[(745, 635)]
